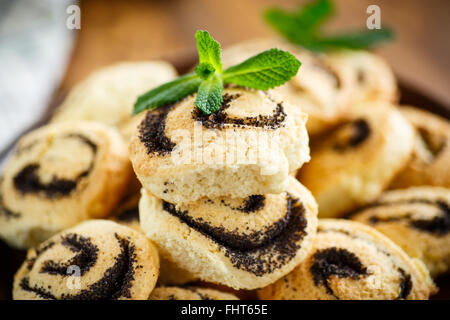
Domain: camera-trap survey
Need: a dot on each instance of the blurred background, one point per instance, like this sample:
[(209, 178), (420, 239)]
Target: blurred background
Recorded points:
[(41, 59)]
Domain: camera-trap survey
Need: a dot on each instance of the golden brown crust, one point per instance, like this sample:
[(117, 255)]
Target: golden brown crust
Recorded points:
[(108, 94), (417, 219), (355, 162), (367, 75), (60, 175), (318, 89), (107, 261), (244, 243), (181, 155), (430, 163), (127, 214), (351, 261)]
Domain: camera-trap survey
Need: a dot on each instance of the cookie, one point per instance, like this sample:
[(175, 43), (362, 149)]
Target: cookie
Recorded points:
[(355, 162), (243, 243), (127, 213), (96, 260), (189, 293), (317, 88), (248, 147), (367, 75), (418, 220), (430, 163), (351, 261), (60, 175), (108, 94)]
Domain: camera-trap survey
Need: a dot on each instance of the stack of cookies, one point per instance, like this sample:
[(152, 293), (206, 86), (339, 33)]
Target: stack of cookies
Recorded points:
[(217, 197), (217, 201)]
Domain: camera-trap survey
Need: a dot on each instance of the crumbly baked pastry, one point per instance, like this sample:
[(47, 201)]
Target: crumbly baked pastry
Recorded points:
[(108, 94), (60, 175), (418, 220), (242, 243), (248, 147), (356, 161), (367, 74), (351, 261), (317, 88), (430, 163), (127, 213), (96, 260), (189, 293)]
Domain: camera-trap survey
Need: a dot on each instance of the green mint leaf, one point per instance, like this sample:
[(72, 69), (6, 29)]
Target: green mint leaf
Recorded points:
[(286, 24), (168, 93), (205, 70), (208, 50), (209, 96), (264, 71), (355, 40), (302, 27), (314, 13), (298, 26)]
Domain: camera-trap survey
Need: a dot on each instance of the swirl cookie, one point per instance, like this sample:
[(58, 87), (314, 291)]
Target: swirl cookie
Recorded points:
[(60, 175), (241, 243), (108, 94), (127, 214), (351, 261), (317, 88), (418, 220), (367, 74), (189, 293), (96, 260), (430, 163), (356, 161), (248, 147)]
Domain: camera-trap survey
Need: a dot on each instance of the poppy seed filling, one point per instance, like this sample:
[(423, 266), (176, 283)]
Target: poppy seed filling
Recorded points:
[(335, 262), (85, 258), (152, 128), (152, 131), (27, 180), (258, 252), (405, 286), (439, 225), (359, 131), (115, 283), (220, 119), (251, 204)]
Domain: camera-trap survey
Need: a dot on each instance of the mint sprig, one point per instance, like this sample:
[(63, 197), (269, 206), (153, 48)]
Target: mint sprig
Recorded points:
[(303, 27), (209, 95), (208, 50), (266, 70), (167, 93)]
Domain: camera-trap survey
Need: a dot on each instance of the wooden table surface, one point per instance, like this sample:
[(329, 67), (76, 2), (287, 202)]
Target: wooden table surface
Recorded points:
[(113, 30)]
